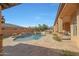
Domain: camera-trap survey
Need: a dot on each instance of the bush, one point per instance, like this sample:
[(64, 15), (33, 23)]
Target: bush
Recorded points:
[(54, 34), (6, 36), (69, 53), (56, 37), (50, 32)]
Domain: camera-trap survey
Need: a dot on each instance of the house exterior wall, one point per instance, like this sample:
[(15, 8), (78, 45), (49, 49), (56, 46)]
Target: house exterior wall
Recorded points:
[(66, 26), (56, 27), (75, 38), (60, 25), (73, 24)]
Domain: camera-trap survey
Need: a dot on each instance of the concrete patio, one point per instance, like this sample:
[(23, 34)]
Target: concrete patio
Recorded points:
[(46, 46)]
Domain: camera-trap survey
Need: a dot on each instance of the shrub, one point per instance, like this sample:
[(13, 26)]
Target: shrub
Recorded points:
[(56, 37), (69, 53)]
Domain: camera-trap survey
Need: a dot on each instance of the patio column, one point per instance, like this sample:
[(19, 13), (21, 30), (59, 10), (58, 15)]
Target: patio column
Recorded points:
[(60, 24), (74, 26), (71, 30), (78, 23), (0, 31), (56, 27)]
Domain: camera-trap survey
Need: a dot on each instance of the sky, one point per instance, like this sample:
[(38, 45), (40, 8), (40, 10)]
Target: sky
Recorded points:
[(31, 14)]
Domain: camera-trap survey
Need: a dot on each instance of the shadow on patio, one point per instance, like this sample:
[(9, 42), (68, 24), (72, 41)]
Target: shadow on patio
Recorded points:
[(30, 50)]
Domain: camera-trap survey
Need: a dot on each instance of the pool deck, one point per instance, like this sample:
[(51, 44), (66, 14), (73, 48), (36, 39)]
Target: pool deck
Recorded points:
[(44, 46)]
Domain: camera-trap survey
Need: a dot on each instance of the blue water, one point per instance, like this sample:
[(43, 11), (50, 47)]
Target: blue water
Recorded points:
[(28, 36)]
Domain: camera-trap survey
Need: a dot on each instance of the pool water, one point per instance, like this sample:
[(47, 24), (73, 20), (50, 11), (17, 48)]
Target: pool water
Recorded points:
[(28, 36)]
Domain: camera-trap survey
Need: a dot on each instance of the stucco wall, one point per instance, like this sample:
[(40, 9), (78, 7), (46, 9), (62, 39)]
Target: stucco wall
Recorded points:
[(56, 27), (75, 40)]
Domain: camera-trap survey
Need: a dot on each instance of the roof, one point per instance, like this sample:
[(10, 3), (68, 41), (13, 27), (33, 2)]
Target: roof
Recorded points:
[(59, 10), (8, 5)]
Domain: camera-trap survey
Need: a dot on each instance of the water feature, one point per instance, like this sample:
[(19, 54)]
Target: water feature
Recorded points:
[(28, 36)]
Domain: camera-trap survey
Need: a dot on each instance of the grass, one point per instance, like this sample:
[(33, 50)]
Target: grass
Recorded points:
[(70, 53), (56, 37)]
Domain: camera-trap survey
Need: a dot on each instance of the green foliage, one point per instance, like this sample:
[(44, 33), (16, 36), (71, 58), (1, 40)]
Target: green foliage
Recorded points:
[(45, 26), (6, 36), (54, 34), (51, 27), (41, 27), (56, 37), (69, 53)]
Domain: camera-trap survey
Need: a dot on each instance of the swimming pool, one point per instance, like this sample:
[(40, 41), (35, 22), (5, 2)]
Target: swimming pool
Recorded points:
[(28, 36)]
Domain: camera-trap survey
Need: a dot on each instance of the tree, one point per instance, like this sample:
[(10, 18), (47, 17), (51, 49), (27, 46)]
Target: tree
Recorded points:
[(41, 27), (45, 27)]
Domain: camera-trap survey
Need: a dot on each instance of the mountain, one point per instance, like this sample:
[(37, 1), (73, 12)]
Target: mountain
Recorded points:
[(12, 25)]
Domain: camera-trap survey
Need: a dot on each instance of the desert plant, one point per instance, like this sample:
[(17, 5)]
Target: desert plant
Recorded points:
[(69, 53), (56, 37)]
